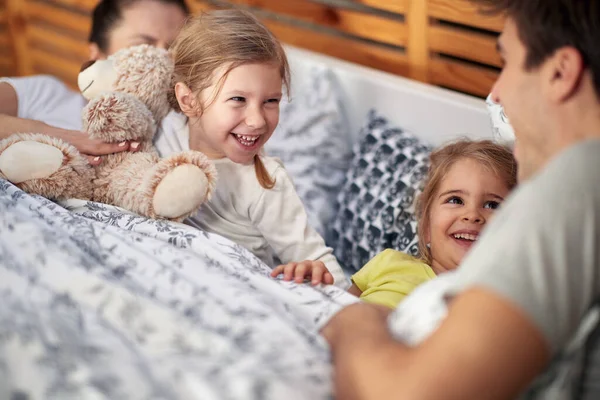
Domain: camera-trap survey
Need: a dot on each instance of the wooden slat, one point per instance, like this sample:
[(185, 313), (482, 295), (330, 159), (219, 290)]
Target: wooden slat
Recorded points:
[(84, 5), (462, 76), (45, 62), (370, 55), (6, 63), (78, 23), (361, 53), (418, 47), (395, 6), (6, 71), (355, 23), (17, 25), (468, 45), (64, 44), (3, 16), (4, 44), (197, 6), (464, 12)]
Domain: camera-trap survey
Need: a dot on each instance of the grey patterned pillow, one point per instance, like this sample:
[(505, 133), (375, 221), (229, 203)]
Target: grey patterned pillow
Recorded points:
[(313, 143), (376, 205)]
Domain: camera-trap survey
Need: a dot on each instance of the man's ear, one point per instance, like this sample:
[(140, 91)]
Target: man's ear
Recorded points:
[(95, 52), (563, 73), (186, 99)]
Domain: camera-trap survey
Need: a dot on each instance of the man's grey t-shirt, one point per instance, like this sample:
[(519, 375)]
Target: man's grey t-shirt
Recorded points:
[(542, 253)]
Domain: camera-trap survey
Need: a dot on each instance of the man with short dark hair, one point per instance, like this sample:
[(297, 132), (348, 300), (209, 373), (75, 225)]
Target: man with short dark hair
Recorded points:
[(523, 315)]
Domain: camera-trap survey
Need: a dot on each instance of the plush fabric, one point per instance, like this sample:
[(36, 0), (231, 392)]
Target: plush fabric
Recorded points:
[(312, 141), (377, 202)]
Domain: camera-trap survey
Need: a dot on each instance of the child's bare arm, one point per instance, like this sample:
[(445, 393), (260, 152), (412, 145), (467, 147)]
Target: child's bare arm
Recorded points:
[(354, 290)]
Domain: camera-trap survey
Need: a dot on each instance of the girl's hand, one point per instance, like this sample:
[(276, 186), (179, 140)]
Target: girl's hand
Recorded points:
[(297, 271)]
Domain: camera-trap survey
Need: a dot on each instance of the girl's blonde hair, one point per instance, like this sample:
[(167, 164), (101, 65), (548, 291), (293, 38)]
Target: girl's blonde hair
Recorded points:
[(497, 158), (221, 38)]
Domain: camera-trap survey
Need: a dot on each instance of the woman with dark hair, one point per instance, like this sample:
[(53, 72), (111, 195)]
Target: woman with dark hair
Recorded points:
[(43, 104)]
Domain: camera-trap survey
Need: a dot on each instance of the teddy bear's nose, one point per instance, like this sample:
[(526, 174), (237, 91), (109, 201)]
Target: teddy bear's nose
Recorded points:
[(86, 65)]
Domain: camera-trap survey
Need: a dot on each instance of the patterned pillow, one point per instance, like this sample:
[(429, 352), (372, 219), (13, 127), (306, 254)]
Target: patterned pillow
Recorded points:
[(313, 143), (377, 203)]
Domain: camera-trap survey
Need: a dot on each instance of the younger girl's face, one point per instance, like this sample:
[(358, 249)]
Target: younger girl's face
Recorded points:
[(239, 121), (466, 199)]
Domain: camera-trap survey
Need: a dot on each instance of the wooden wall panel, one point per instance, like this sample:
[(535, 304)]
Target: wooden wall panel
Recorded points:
[(7, 65), (444, 42), (462, 43), (461, 76), (465, 13)]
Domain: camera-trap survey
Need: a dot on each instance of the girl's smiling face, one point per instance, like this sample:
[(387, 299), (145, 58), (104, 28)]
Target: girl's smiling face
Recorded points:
[(467, 197), (240, 119)]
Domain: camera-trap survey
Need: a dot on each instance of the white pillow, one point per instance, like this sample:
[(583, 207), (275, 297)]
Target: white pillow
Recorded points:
[(313, 142)]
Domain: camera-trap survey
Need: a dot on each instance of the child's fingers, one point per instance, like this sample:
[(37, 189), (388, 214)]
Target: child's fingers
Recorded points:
[(320, 274), (301, 270), (316, 275), (288, 272), (277, 270)]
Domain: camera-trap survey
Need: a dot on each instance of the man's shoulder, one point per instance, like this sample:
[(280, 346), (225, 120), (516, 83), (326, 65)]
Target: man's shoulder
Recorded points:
[(568, 179)]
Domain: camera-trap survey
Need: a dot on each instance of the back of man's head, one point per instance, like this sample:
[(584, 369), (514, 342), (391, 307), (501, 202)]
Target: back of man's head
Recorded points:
[(547, 25)]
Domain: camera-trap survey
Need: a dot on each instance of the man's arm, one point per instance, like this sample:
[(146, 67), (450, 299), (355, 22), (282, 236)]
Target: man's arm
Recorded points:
[(485, 349), (10, 124)]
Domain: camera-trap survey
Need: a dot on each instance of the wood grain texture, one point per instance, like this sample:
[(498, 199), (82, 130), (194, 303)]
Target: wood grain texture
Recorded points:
[(462, 76), (418, 46), (17, 34), (405, 37), (394, 6), (465, 13), (460, 43), (356, 23)]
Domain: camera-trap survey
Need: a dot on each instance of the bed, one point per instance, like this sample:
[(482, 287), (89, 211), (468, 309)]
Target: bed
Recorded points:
[(100, 303)]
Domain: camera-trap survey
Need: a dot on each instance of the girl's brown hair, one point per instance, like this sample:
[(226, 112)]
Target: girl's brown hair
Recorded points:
[(221, 38), (495, 157)]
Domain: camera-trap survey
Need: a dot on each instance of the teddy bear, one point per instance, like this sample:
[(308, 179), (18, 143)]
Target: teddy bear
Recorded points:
[(128, 98)]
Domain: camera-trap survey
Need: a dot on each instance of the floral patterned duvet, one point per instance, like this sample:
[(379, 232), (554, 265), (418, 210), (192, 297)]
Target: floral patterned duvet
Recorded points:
[(97, 303)]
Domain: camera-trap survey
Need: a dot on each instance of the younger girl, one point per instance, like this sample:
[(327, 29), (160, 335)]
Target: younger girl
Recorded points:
[(467, 181), (228, 79)]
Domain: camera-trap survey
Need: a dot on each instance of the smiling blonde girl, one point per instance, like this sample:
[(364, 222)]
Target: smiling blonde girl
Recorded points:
[(230, 74), (466, 182)]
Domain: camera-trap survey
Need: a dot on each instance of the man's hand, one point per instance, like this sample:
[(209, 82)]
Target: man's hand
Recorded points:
[(297, 271)]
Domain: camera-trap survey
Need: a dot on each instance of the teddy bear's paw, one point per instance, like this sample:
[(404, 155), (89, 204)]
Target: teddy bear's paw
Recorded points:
[(181, 192), (28, 159)]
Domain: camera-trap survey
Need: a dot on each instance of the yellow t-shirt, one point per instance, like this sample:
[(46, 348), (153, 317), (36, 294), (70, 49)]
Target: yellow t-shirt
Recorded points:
[(390, 276)]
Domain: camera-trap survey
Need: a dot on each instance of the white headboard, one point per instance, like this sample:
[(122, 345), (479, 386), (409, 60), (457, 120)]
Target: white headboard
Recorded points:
[(437, 115)]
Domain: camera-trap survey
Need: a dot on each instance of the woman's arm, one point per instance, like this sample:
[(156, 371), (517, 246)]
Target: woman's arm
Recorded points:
[(486, 348), (11, 124)]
